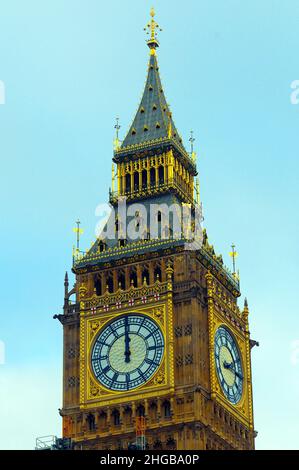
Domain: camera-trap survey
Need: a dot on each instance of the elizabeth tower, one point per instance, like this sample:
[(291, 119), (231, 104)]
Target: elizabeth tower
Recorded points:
[(153, 337)]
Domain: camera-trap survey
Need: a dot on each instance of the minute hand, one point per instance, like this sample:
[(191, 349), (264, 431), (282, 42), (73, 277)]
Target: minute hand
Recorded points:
[(231, 367), (127, 341)]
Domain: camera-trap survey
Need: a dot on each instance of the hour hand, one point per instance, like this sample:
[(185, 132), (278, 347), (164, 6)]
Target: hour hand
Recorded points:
[(228, 365), (127, 342)]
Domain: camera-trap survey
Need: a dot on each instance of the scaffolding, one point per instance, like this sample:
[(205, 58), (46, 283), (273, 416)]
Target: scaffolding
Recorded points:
[(53, 443), (140, 433)]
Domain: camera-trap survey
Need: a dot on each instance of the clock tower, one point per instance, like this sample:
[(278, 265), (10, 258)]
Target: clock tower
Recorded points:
[(154, 340)]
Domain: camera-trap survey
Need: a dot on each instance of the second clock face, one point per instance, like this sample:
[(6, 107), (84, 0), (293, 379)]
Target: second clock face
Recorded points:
[(228, 365), (127, 352)]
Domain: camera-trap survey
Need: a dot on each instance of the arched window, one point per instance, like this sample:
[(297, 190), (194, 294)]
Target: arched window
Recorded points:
[(144, 179), (121, 281), (145, 275), (98, 285), (102, 246), (91, 422), (166, 409), (110, 284), (122, 242), (128, 416), (136, 181), (140, 410), (153, 410), (128, 183), (102, 420), (133, 278), (116, 417), (161, 175), (158, 273), (153, 176)]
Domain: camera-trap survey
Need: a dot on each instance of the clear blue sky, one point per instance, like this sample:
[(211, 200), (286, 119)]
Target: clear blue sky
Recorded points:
[(69, 68)]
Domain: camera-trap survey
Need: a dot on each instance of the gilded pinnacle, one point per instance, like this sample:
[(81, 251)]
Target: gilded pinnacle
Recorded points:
[(152, 28)]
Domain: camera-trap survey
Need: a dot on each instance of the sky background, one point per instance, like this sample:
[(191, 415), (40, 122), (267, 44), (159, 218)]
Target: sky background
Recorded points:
[(69, 67)]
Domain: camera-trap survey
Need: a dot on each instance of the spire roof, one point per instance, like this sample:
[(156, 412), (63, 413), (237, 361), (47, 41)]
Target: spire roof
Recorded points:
[(153, 119)]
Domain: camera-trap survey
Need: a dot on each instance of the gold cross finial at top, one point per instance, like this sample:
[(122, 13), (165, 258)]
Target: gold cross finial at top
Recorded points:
[(116, 141), (234, 255), (192, 140), (152, 28), (79, 232)]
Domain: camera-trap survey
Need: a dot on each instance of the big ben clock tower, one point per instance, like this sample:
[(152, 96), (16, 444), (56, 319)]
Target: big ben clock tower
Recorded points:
[(152, 331)]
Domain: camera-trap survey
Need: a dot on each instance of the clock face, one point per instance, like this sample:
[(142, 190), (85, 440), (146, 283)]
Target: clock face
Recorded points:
[(228, 365), (127, 352)]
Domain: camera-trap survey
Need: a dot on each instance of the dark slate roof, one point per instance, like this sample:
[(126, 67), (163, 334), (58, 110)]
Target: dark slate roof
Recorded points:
[(153, 112)]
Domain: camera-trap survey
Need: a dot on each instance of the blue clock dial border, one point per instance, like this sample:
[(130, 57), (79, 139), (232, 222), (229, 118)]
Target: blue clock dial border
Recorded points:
[(223, 337), (140, 325)]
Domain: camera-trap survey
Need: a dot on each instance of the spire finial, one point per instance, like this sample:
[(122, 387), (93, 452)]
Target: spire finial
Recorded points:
[(192, 140), (79, 232), (152, 28), (245, 312), (116, 140), (234, 254)]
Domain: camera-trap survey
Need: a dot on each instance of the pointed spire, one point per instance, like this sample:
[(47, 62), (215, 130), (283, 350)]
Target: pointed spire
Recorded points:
[(66, 288), (153, 121), (153, 126), (245, 312)]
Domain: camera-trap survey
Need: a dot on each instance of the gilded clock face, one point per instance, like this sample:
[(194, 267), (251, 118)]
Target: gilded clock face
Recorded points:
[(127, 352), (228, 365)]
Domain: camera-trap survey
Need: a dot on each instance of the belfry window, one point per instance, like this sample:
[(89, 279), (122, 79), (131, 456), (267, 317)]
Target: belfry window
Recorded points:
[(136, 180), (153, 176), (133, 279), (110, 284), (145, 276), (98, 285), (161, 175), (144, 179), (121, 281), (128, 183), (158, 273)]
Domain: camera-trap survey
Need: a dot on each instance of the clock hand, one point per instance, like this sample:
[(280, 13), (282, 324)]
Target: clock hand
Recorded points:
[(127, 341), (228, 365), (239, 375), (232, 369)]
